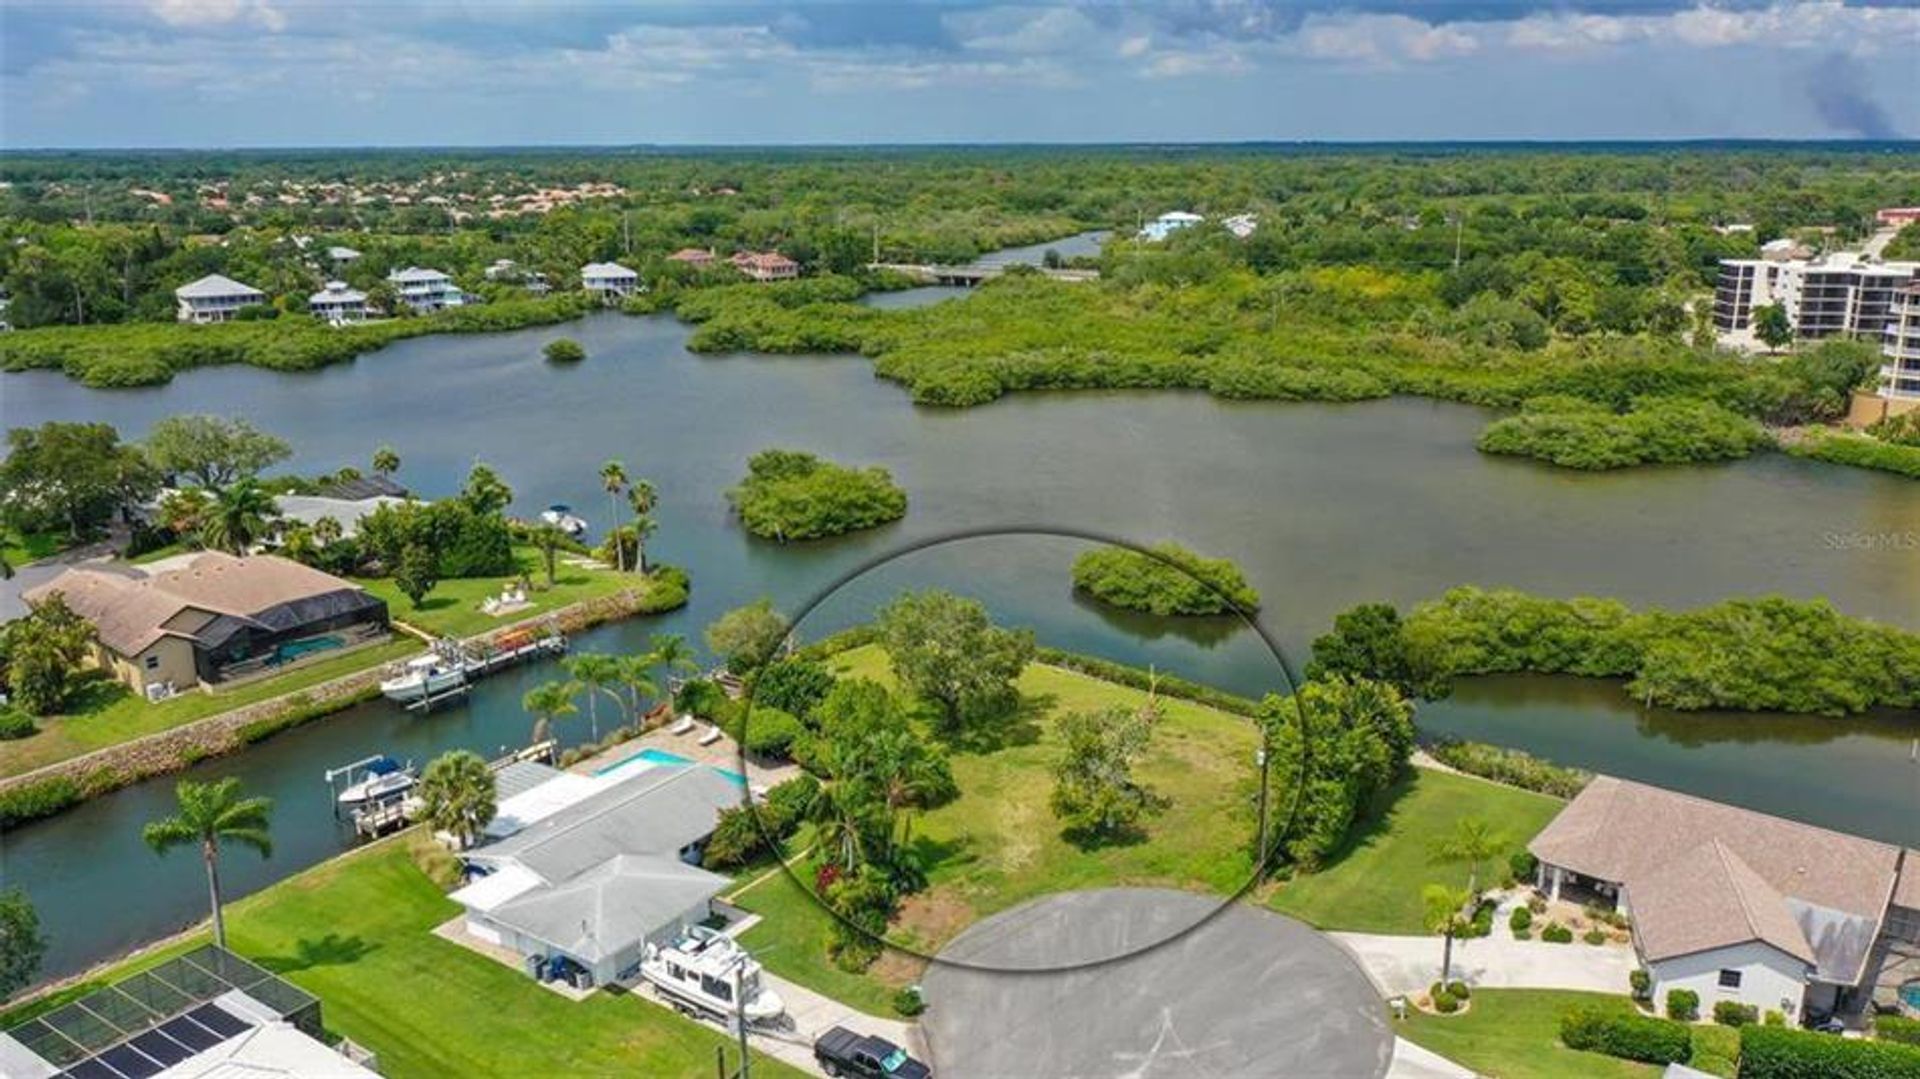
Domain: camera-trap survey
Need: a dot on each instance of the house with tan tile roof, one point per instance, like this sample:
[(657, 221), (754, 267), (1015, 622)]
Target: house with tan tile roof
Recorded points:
[(213, 617), (1730, 903)]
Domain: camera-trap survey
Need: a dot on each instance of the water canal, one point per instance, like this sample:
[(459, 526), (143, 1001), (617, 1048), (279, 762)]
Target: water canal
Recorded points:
[(1323, 505)]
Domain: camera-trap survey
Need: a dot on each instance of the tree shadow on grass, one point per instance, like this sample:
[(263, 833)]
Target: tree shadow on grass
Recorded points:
[(1018, 725), (1374, 825), (97, 691), (332, 950), (435, 603)]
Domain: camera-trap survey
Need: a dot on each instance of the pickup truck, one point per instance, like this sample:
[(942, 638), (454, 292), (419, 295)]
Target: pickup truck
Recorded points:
[(841, 1052)]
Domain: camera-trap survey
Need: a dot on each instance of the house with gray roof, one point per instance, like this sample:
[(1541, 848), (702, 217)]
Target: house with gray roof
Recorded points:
[(608, 280), (1730, 903), (338, 303), (606, 866), (426, 291), (214, 298)]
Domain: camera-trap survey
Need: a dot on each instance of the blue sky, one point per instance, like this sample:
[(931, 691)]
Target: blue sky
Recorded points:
[(213, 73)]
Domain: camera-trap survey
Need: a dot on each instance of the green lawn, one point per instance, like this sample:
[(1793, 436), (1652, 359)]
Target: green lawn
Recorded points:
[(108, 713), (1373, 884), (21, 549), (998, 843), (355, 932), (1515, 1034), (452, 609)]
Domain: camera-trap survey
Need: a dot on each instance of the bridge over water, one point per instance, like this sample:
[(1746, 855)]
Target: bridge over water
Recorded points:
[(976, 272)]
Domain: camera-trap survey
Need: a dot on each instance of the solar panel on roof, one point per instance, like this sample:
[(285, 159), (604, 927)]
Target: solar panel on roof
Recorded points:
[(129, 1062), (161, 1048), (91, 1068), (190, 1034), (218, 1020)]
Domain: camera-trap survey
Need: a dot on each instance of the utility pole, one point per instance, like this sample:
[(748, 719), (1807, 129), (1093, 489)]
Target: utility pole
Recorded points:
[(1459, 225), (740, 1014)]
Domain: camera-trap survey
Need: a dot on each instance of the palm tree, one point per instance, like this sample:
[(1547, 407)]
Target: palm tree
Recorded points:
[(547, 702), (642, 498), (327, 531), (671, 651), (239, 517), (636, 674), (1472, 844), (210, 814), (457, 795), (613, 478), (548, 538), (385, 461), (1441, 908), (599, 673)]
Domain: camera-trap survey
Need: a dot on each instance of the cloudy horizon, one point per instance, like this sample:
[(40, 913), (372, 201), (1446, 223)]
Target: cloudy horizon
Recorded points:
[(293, 73)]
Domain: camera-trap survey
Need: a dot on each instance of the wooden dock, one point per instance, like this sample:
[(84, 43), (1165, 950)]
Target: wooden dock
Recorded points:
[(974, 274)]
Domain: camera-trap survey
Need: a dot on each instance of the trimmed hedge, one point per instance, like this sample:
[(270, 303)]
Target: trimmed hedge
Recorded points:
[(1732, 1013), (1555, 933), (1631, 1037), (1135, 678), (1683, 1004), (1783, 1053)]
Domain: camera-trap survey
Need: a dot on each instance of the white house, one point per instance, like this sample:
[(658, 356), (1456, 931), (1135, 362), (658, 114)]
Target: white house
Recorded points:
[(1900, 351), (214, 298), (342, 256), (338, 303), (426, 290), (1169, 223), (503, 270), (596, 868), (1242, 225), (608, 280), (1733, 904)]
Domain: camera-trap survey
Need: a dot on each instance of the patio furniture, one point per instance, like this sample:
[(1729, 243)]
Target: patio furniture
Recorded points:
[(685, 724), (711, 736)]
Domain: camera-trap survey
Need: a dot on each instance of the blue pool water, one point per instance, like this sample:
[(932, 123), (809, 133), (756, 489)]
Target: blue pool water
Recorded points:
[(661, 756), (1910, 995)]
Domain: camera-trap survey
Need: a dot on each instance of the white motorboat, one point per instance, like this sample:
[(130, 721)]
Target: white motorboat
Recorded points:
[(562, 516), (701, 970), (383, 781), (423, 677)]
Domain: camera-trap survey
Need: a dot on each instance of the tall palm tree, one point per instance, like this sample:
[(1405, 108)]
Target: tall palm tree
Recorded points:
[(635, 674), (240, 517), (211, 814), (548, 538), (1473, 843), (613, 478), (385, 461), (547, 702), (672, 652), (599, 673), (1441, 908), (642, 498), (327, 531), (457, 795)]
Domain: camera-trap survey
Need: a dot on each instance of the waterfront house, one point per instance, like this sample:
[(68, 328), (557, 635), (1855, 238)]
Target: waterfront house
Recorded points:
[(1242, 225), (693, 256), (1733, 904), (337, 303), (342, 256), (765, 265), (348, 513), (426, 291), (503, 270), (214, 298), (593, 868), (1169, 223), (212, 617), (608, 280)]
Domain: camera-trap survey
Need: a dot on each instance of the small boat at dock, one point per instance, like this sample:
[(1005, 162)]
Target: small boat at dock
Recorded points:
[(384, 780), (423, 678), (561, 516)]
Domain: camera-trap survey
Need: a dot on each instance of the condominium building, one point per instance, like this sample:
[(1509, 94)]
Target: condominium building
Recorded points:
[(214, 298), (1840, 295), (1900, 347), (425, 290)]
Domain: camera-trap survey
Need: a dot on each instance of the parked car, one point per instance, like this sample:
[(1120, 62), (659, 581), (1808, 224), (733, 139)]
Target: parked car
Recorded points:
[(842, 1052)]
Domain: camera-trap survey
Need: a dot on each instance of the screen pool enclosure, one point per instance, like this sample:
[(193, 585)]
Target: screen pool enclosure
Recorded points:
[(160, 1017)]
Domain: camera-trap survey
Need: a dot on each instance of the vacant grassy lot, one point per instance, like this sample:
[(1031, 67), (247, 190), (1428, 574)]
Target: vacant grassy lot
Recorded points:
[(107, 713), (792, 943), (1373, 884), (452, 609), (355, 932), (1515, 1034)]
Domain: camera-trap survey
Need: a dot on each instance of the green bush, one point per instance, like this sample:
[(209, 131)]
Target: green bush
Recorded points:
[(16, 723), (1731, 1013), (1165, 684), (1459, 989), (1774, 1018), (1897, 1028), (1445, 1003), (908, 1002), (1555, 933), (1683, 1004), (770, 732), (1631, 1037), (1860, 451), (1520, 920), (1595, 936), (1716, 1051), (1655, 431), (667, 590), (564, 350), (1178, 582), (1522, 865), (789, 495), (32, 801), (1640, 983), (1515, 768), (794, 686), (1768, 1052)]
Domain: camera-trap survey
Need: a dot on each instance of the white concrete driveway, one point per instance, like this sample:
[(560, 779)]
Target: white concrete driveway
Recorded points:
[(810, 1015), (1410, 964)]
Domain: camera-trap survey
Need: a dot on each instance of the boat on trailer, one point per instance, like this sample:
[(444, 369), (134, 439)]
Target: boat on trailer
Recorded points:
[(700, 971)]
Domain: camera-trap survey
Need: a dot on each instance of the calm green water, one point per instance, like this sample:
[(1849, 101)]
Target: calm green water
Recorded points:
[(1324, 506)]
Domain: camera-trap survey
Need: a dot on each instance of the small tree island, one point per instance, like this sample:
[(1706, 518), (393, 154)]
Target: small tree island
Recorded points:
[(564, 350), (1179, 582), (789, 495)]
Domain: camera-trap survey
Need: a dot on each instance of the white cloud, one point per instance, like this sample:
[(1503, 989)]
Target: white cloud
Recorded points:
[(1022, 30), (1381, 39), (1823, 25), (219, 13)]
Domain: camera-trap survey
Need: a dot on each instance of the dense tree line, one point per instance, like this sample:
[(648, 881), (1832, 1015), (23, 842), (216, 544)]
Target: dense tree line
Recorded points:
[(1177, 582), (790, 495)]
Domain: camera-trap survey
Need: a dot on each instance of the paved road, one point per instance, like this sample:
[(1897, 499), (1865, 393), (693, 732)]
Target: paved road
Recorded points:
[(37, 573), (1249, 993)]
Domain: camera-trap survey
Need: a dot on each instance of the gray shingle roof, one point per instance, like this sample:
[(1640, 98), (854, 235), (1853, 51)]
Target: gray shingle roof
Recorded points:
[(610, 908), (215, 285), (657, 812)]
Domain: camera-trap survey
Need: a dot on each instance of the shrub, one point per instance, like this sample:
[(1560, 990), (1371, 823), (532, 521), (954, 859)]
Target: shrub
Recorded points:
[(792, 685), (1178, 582), (741, 835), (1683, 1004), (771, 732), (1537, 904), (1731, 1013), (1555, 933), (35, 800), (1898, 1028), (1459, 989), (1520, 920), (1522, 865), (1779, 1053), (700, 697), (15, 723), (564, 350), (1641, 984), (1515, 768), (435, 861), (908, 1002), (789, 495), (1716, 1051), (1595, 936), (1632, 1037), (1445, 1003), (1775, 1018)]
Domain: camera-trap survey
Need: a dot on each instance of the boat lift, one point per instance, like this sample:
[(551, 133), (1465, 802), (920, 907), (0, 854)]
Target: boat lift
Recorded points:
[(373, 817)]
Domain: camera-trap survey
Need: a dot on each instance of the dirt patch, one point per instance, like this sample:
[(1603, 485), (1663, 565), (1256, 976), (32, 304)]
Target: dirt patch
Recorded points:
[(929, 919), (896, 969)]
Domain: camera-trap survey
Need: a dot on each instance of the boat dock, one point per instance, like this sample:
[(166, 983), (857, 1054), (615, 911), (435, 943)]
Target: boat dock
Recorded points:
[(450, 666)]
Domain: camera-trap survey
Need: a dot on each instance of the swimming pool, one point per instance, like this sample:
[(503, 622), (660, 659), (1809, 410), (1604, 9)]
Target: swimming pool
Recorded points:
[(661, 756)]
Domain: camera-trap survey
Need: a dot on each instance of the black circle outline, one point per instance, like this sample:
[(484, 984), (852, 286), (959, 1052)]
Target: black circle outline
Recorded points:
[(1267, 844)]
